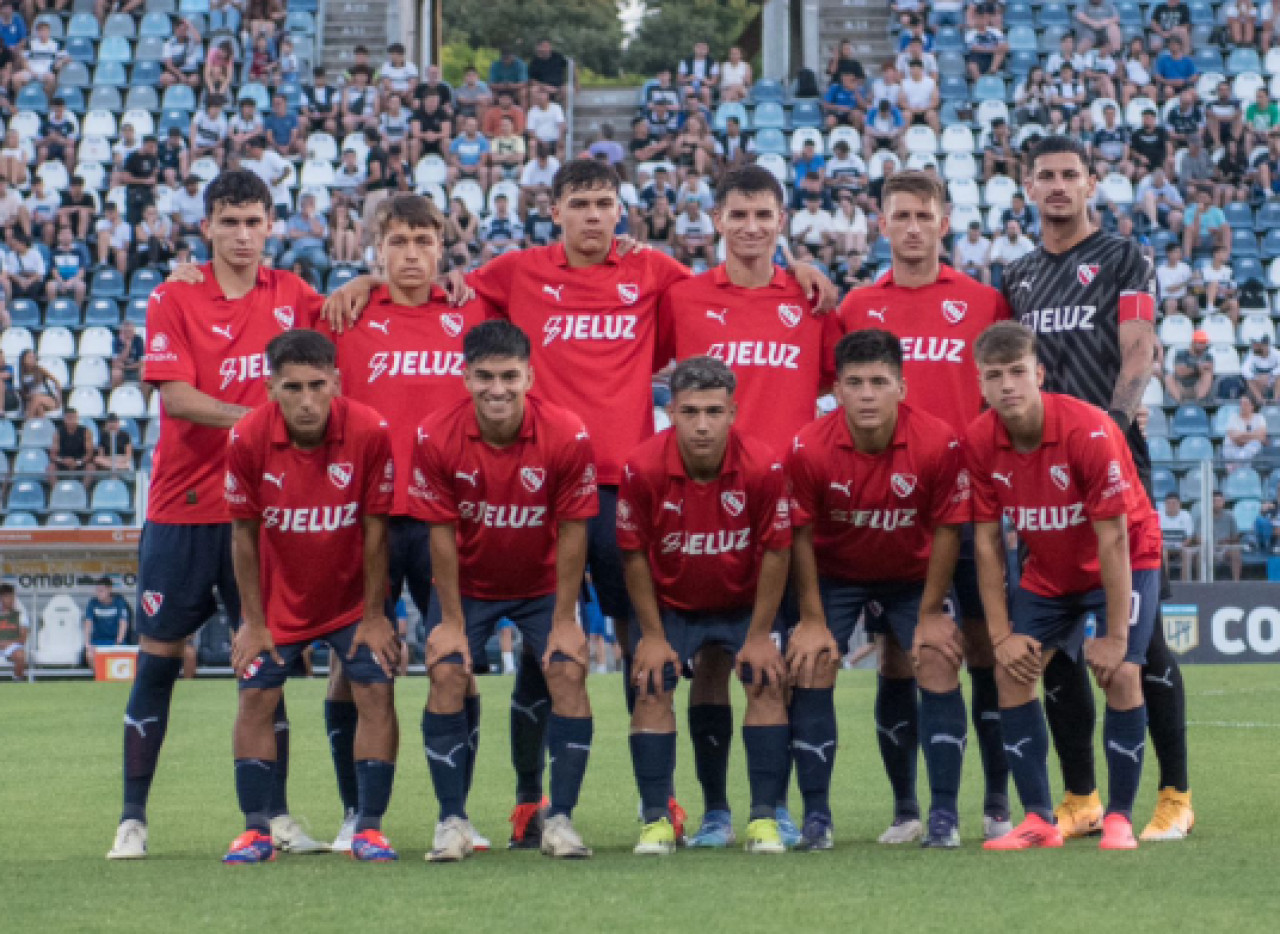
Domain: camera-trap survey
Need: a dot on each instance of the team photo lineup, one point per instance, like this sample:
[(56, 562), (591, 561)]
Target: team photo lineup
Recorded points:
[(487, 443)]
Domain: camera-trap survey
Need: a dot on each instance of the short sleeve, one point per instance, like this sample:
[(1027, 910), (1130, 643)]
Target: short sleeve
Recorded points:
[(310, 304), (493, 283), (952, 491), (1136, 282), (243, 476), (985, 506), (1098, 468), (379, 473), (806, 498), (169, 355), (635, 507), (431, 496), (832, 331), (577, 492), (772, 506)]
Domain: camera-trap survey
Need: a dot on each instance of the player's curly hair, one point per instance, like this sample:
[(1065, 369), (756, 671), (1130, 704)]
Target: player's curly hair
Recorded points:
[(301, 348), (584, 175), (1004, 342), (237, 188), (870, 345), (702, 374), (495, 339)]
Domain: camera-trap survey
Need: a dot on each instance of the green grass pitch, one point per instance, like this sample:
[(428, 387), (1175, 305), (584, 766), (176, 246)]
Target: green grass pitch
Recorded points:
[(60, 775)]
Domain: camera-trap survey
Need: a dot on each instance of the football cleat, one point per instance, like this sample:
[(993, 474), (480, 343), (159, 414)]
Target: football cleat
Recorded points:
[(289, 837), (1117, 833), (787, 828), (943, 832), (678, 816), (716, 831), (1173, 818), (452, 842), (131, 841), (561, 841), (817, 834), (252, 846), (658, 838), (903, 830), (342, 842), (1033, 833), (995, 825), (479, 843), (370, 846), (763, 836), (1079, 815), (526, 825)]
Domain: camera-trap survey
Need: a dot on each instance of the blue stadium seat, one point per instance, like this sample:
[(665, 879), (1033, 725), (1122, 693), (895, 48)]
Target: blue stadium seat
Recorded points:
[(21, 520), (144, 98), (144, 282), (168, 6), (31, 462), (1242, 483), (1019, 14), (952, 64), (1195, 448), (1130, 15), (257, 93), (73, 75), (111, 493), (1221, 418), (1022, 39), (115, 49), (32, 97), (62, 312), (195, 6), (150, 49), (300, 22), (106, 519), (1051, 38), (1247, 268), (769, 114), (136, 311), (146, 73), (68, 494), (1270, 244), (1021, 61), (73, 98), (1245, 243), (55, 25), (1054, 15), (26, 494), (1246, 513), (1239, 214), (102, 312), (990, 88), (339, 277), (948, 39), (292, 92), (24, 313), (953, 89), (63, 520), (768, 90), (1201, 13), (120, 24), (107, 283), (310, 6), (183, 97), (1163, 482), (806, 114), (8, 435), (771, 140), (81, 50), (1189, 420), (1269, 216), (156, 24), (173, 118), (106, 97), (130, 427), (37, 433), (110, 74), (1242, 60), (83, 26), (731, 109)]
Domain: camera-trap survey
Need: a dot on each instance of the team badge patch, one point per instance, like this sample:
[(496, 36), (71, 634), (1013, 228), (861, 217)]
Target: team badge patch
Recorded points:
[(629, 292), (532, 478), (733, 502), (790, 315), (452, 324), (903, 484), (152, 600), (1087, 272), (954, 311), (231, 482), (284, 316), (340, 474), (1061, 479)]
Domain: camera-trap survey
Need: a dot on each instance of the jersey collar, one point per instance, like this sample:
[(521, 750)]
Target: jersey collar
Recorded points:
[(945, 274), (526, 424), (380, 297), (675, 463), (1052, 424), (844, 437), (561, 259), (213, 288), (333, 433), (720, 278)]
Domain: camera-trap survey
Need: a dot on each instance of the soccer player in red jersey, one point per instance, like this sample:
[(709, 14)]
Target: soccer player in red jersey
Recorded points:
[(403, 358), (1060, 472), (308, 483), (705, 531), (938, 313), (879, 499), (205, 354), (753, 316), (507, 483)]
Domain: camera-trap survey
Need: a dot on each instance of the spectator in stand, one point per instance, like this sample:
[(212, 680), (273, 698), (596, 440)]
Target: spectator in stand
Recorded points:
[(473, 97), (919, 99), (916, 30), (397, 75), (433, 81), (812, 226), (885, 129), (1191, 379), (107, 620), (1227, 548), (139, 175), (844, 61), (693, 185), (664, 89), (664, 119), (699, 74), (849, 228), (501, 232), (507, 155), (305, 234), (245, 125), (998, 156), (12, 210), (607, 148), (985, 44), (430, 128), (1174, 70), (1217, 281), (73, 448), (394, 122), (1177, 528), (549, 70), (156, 240), (25, 268), (1262, 117), (13, 159), (41, 206), (114, 238), (1031, 98), (462, 234), (736, 77), (1170, 19), (545, 121), (360, 102), (506, 108), (643, 145), (188, 207), (182, 57), (846, 172), (351, 176), (1186, 121), (469, 154), (972, 254), (71, 264), (345, 230), (15, 627), (915, 49), (174, 157), (1246, 433), (1224, 116), (1206, 224), (13, 26), (225, 15), (510, 73), (210, 130), (1008, 248), (1101, 70), (1100, 22), (660, 189), (694, 238), (840, 102), (10, 403), (59, 134), (658, 225), (274, 169), (1173, 281), (77, 209), (540, 224), (127, 354), (219, 69), (1067, 95), (1149, 146), (1067, 54), (538, 174), (1160, 200), (321, 104), (694, 148), (266, 17), (1260, 370), (1269, 18), (38, 390), (44, 59), (284, 129)]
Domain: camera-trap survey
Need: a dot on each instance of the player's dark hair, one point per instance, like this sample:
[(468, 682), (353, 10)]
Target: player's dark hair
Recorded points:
[(749, 180), (1003, 343), (584, 175), (871, 345), (301, 348), (6, 589), (494, 339), (1053, 145), (914, 182), (416, 212), (237, 188), (702, 374)]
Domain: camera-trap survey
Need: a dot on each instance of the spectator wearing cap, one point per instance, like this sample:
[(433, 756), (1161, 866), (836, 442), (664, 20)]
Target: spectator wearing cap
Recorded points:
[(114, 452), (985, 44), (284, 129), (1260, 369), (1246, 433), (1191, 379), (72, 450), (919, 98), (187, 204), (77, 209), (972, 253), (510, 73), (1206, 224), (1174, 70), (1173, 284), (209, 130), (182, 57), (305, 234), (107, 618), (469, 154), (548, 69), (127, 352), (70, 273), (501, 232), (397, 75), (841, 101), (114, 237), (1099, 22)]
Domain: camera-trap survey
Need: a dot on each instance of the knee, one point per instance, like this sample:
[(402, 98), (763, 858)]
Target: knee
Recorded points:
[(1125, 690), (936, 673), (449, 682), (1013, 693), (258, 706), (769, 704), (566, 679)]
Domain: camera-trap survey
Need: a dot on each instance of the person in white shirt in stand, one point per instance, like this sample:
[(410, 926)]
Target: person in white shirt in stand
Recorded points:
[(1220, 289), (973, 254), (544, 121), (1177, 528), (1173, 277), (919, 97), (538, 173), (695, 234), (1260, 368), (1009, 247), (813, 225), (1246, 433)]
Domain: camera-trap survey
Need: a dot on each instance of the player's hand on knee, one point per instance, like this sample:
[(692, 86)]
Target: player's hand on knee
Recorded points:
[(649, 665), (1104, 657), (1020, 656), (186, 272), (455, 285), (810, 650), (566, 639), (760, 665), (383, 641), (446, 641), (936, 631), (250, 642)]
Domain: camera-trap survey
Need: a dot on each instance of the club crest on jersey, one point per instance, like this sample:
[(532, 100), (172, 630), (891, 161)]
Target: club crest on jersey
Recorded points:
[(629, 292), (1087, 272), (733, 502), (340, 474), (1061, 479), (791, 315), (532, 478), (954, 311), (903, 484), (284, 316), (231, 482), (152, 600), (452, 324), (160, 343)]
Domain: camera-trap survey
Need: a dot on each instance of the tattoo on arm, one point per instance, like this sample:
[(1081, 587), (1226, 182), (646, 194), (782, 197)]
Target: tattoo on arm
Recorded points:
[(1137, 350)]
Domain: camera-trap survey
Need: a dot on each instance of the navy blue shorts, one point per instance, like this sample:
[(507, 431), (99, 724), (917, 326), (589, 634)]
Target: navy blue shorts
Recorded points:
[(689, 633), (890, 608), (604, 558), (180, 568), (531, 616), (964, 585), (409, 544), (264, 674), (1059, 622)]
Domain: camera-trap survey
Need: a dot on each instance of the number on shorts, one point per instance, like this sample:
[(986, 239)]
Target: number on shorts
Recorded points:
[(1135, 607)]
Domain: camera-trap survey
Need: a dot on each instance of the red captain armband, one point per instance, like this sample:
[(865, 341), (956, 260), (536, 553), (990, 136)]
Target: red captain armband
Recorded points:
[(1136, 306)]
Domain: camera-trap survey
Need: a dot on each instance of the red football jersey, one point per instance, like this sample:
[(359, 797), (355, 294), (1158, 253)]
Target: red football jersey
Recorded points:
[(312, 506), (783, 356), (406, 363), (704, 541), (196, 335), (1082, 471), (506, 502), (874, 515), (595, 336), (938, 325)]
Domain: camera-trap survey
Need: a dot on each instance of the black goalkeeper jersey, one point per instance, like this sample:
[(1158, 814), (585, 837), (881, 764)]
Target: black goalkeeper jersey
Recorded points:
[(1075, 301)]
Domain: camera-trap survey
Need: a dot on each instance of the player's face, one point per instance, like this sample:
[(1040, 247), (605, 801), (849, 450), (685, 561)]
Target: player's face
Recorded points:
[(1060, 186), (914, 227), (238, 233), (870, 394), (498, 386), (588, 217), (702, 418), (750, 224), (305, 394), (410, 255), (1012, 389)]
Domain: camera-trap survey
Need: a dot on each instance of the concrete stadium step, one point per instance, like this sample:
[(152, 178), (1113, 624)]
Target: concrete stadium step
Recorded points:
[(863, 22), (349, 23), (594, 106)]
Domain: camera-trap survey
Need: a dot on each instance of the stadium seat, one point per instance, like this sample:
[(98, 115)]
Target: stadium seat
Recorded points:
[(92, 372), (174, 119), (144, 98), (150, 49), (146, 73), (777, 164), (806, 114), (179, 97), (96, 341), (1254, 326), (1245, 86), (948, 39), (731, 109), (20, 520), (73, 75), (100, 122), (953, 89), (57, 368), (8, 435), (1021, 61), (849, 135), (26, 494), (1226, 360), (1116, 189), (106, 519), (989, 111), (771, 140), (152, 435), (951, 64), (990, 88), (68, 495), (136, 311), (1245, 243), (144, 282), (83, 26), (57, 342), (155, 23), (999, 191), (1163, 482), (31, 463), (806, 135), (960, 166), (1176, 331), (26, 123), (1157, 423), (102, 312), (1249, 268), (127, 401), (964, 193), (37, 433), (1270, 242), (59, 636), (1246, 512), (24, 313), (1222, 417), (14, 341), (768, 91), (88, 402), (107, 283), (957, 139), (316, 173), (62, 312), (111, 493), (1195, 448), (338, 277), (769, 114), (1219, 328), (142, 121), (1242, 483), (918, 139), (1189, 420)]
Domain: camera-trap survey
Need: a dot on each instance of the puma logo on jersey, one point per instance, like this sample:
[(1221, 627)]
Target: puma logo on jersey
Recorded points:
[(469, 477), (1047, 518), (707, 543), (383, 326), (933, 349), (415, 363), (271, 478), (553, 290), (1056, 320), (878, 315), (1005, 478), (718, 315), (588, 328), (315, 519), (223, 330), (1100, 433), (757, 353), (844, 488)]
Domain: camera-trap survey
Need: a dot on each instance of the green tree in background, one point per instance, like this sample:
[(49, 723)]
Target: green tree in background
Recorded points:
[(586, 30), (670, 29)]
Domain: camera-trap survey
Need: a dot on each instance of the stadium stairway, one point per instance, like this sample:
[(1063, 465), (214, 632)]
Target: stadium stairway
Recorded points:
[(865, 23), (594, 106), (349, 23)]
